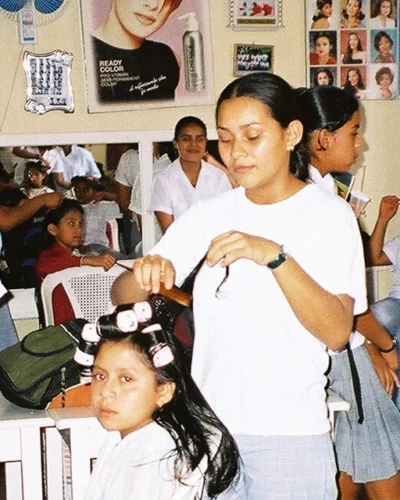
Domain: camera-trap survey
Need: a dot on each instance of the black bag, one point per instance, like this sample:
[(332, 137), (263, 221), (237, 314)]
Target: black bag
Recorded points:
[(41, 366)]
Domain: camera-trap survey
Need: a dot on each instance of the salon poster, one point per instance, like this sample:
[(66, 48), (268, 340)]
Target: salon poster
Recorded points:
[(354, 44), (142, 54)]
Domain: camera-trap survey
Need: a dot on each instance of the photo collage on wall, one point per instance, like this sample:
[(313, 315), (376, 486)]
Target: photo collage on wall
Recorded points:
[(354, 44)]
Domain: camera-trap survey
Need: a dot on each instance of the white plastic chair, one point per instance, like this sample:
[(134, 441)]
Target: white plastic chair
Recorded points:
[(88, 289), (379, 281)]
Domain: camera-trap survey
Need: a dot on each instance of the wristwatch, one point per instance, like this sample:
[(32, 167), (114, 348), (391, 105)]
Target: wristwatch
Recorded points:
[(283, 256), (386, 351)]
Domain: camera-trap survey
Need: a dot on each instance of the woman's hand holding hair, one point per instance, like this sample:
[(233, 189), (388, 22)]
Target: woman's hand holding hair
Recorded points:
[(233, 245), (152, 270)]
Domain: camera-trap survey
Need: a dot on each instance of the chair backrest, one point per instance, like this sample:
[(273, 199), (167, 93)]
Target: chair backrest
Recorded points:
[(88, 290), (379, 281)]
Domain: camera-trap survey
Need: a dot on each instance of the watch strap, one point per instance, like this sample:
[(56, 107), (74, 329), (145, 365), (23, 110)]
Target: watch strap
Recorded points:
[(280, 259), (386, 351)]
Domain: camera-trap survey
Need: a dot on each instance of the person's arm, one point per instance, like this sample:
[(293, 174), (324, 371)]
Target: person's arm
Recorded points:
[(387, 377), (105, 260), (164, 220), (388, 209), (123, 196), (13, 216), (60, 180), (106, 196)]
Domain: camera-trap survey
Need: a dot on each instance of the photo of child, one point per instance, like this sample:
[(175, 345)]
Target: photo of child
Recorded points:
[(136, 57)]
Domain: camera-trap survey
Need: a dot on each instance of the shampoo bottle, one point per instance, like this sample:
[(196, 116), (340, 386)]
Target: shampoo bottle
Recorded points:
[(193, 54)]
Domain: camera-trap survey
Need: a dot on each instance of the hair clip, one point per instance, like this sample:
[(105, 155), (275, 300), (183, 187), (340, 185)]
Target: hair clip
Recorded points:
[(161, 353)]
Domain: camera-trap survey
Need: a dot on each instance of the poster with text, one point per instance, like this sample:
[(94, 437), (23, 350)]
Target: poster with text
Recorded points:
[(142, 54), (354, 44)]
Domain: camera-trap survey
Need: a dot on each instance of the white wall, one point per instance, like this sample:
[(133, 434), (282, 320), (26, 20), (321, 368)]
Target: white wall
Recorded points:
[(381, 118)]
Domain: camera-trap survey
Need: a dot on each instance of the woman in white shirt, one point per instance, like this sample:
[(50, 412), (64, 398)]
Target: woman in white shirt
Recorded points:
[(367, 438), (188, 179), (382, 16)]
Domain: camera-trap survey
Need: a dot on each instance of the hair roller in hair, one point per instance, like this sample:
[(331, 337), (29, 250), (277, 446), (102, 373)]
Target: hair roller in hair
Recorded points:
[(143, 311), (126, 321), (160, 353), (85, 352)]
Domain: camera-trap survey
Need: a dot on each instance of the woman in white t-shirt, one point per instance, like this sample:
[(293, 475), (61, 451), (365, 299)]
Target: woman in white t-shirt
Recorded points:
[(264, 313), (189, 178), (367, 438)]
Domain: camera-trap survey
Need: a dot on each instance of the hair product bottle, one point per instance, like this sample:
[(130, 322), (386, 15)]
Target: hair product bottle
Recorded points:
[(193, 54)]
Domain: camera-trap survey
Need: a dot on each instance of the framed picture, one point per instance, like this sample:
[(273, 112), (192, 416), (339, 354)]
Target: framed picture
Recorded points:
[(354, 45), (132, 63), (252, 59), (255, 14)]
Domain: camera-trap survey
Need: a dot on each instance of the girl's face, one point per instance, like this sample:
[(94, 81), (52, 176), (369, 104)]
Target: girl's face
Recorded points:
[(142, 18), (353, 78), (36, 177), (84, 193), (124, 390), (191, 143), (68, 233), (326, 10), (323, 78), (353, 41), (253, 146), (353, 8), (385, 81), (385, 9), (323, 46), (384, 45), (344, 144)]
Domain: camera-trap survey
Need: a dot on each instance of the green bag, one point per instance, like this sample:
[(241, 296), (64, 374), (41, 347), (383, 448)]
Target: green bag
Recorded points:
[(41, 366)]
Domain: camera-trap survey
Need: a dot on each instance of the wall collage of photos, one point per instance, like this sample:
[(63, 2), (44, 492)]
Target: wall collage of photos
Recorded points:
[(354, 44)]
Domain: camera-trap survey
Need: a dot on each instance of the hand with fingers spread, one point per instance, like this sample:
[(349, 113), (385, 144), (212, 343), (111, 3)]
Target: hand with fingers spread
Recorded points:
[(233, 245), (152, 270)]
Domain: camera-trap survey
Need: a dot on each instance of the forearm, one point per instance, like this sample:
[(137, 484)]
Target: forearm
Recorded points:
[(326, 316), (377, 240), (13, 216), (123, 196), (59, 178), (368, 325), (126, 289)]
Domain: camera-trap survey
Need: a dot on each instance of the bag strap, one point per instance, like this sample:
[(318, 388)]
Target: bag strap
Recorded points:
[(25, 349)]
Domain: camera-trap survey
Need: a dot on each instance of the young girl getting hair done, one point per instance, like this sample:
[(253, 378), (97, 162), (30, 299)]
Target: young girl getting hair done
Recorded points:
[(35, 182), (167, 442)]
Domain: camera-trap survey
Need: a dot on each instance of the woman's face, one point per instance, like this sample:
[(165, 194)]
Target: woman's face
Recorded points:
[(142, 18), (385, 9), (124, 390), (323, 78), (353, 78), (384, 45), (323, 46), (344, 144), (353, 8), (326, 10), (253, 146), (353, 41), (385, 81), (191, 143), (36, 177)]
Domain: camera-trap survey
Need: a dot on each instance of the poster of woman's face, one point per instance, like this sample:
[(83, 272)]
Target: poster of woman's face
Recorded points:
[(323, 15), (143, 54), (323, 76)]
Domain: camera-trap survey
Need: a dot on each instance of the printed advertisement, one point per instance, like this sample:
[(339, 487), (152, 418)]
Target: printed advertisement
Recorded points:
[(147, 54)]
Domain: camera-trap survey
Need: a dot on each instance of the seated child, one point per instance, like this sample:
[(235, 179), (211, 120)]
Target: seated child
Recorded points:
[(35, 179), (65, 230), (99, 207), (165, 442)]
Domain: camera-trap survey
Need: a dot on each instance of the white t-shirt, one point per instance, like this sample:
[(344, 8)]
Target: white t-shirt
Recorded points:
[(392, 250), (128, 168), (139, 467), (376, 23), (328, 183), (173, 194), (80, 161), (256, 364), (33, 192), (96, 217)]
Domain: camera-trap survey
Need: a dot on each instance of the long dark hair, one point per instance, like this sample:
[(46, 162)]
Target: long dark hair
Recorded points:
[(188, 418), (348, 55), (320, 4), (351, 89), (324, 107), (281, 101), (360, 16), (377, 10)]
